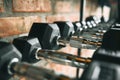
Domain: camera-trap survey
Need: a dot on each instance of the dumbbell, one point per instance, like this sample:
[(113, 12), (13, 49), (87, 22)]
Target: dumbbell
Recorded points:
[(8, 55), (95, 19), (96, 28), (89, 24), (105, 64), (66, 29), (51, 35), (47, 34), (110, 44), (77, 26), (66, 25), (92, 32), (69, 30), (111, 39), (101, 70), (10, 64), (84, 25), (31, 53)]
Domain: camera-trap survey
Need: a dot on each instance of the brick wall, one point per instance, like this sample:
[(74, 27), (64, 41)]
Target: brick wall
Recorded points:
[(17, 16)]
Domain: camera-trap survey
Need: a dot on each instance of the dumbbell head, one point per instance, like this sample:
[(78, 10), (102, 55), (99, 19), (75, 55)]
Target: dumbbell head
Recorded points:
[(84, 26), (28, 47), (110, 47), (111, 39), (46, 33), (101, 70), (88, 23), (8, 54), (66, 29), (93, 18), (77, 26), (91, 23)]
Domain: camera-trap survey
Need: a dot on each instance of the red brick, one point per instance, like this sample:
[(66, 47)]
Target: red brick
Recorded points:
[(28, 21), (63, 6), (76, 6), (74, 17), (1, 6), (87, 53), (16, 25), (90, 8), (10, 26), (31, 5), (53, 18), (66, 17)]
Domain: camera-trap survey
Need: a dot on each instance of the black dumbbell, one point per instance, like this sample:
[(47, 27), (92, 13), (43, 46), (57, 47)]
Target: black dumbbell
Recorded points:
[(8, 55), (31, 53), (110, 46), (84, 26), (109, 50), (89, 24), (101, 70), (51, 35), (105, 64), (28, 47), (78, 28), (93, 18), (10, 65), (93, 23), (111, 39), (66, 29), (47, 34)]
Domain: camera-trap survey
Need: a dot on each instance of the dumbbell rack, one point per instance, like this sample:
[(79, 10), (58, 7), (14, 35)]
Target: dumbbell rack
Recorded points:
[(78, 48)]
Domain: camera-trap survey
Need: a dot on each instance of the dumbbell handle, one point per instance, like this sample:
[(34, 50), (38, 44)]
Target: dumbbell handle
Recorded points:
[(36, 73), (63, 58), (84, 41), (88, 41)]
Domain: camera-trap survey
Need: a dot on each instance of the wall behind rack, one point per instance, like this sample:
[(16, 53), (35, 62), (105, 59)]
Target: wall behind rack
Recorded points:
[(17, 16)]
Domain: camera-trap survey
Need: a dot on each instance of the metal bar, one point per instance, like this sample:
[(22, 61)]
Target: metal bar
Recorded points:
[(63, 58), (118, 1), (81, 10), (35, 73), (81, 19)]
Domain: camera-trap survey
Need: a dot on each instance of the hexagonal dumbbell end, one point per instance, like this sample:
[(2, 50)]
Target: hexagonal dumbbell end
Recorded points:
[(66, 29), (84, 25), (93, 18), (8, 54), (28, 47), (111, 39), (77, 27), (101, 70), (47, 34)]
